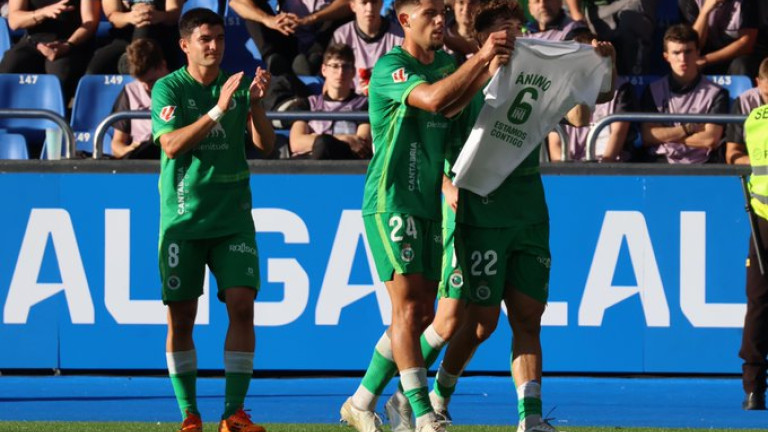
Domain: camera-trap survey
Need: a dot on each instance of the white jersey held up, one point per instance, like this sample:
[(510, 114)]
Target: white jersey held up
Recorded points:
[(523, 102)]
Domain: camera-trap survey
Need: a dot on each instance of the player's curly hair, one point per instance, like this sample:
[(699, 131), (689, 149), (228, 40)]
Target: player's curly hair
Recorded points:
[(143, 55), (488, 12)]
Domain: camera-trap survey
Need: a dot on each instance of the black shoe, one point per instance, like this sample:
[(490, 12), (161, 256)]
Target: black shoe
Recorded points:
[(754, 401)]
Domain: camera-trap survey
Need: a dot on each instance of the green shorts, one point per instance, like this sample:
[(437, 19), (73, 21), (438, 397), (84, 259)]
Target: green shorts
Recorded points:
[(493, 257), (233, 260), (452, 281), (404, 244)]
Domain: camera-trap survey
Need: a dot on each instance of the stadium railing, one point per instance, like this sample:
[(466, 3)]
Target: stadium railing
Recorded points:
[(103, 127), (69, 138), (657, 118)]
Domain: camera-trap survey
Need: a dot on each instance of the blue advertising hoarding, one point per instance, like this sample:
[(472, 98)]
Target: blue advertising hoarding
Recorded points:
[(647, 275)]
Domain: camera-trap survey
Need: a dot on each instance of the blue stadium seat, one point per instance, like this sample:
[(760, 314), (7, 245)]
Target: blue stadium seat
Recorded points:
[(29, 91), (13, 146), (735, 84), (313, 83), (640, 82), (95, 96), (205, 4), (241, 53), (5, 37)]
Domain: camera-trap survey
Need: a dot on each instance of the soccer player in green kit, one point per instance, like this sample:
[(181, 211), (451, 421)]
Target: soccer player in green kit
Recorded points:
[(414, 89), (502, 244), (199, 118), (514, 248)]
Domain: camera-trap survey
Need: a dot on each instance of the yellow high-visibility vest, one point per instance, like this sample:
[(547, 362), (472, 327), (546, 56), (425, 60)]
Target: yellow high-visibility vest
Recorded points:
[(756, 134)]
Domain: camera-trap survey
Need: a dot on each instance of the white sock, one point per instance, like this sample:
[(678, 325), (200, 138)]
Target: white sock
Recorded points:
[(363, 399), (433, 338), (180, 362), (238, 362)]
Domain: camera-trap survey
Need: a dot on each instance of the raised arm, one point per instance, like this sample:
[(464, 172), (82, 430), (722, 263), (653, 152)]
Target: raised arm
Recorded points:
[(452, 93), (183, 139), (261, 132)]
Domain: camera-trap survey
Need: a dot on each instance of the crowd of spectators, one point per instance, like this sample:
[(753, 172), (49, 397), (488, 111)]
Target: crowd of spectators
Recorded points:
[(340, 41)]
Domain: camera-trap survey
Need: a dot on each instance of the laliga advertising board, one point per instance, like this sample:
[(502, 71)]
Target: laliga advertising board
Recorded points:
[(647, 275)]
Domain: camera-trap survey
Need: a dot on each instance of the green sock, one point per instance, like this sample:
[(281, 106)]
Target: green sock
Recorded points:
[(236, 389), (379, 373), (431, 345), (445, 383), (238, 369), (381, 369), (415, 387), (529, 402), (184, 386), (182, 369)]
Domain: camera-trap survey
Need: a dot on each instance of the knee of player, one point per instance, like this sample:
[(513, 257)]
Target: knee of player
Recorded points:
[(447, 325), (415, 316), (241, 313), (528, 323), (485, 329), (181, 326)]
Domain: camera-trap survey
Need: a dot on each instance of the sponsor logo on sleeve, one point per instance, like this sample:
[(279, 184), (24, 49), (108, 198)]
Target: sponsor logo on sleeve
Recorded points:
[(399, 76), (167, 113)]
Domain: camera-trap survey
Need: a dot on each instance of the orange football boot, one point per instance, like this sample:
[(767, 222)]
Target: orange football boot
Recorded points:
[(193, 423), (240, 421)]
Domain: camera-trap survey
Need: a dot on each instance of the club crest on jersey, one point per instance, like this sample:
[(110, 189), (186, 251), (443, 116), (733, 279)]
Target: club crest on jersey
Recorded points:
[(167, 113), (406, 254), (456, 280), (483, 292), (399, 76), (174, 283)]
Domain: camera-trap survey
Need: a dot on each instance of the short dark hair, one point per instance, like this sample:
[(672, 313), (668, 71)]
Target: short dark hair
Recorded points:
[(681, 33), (399, 4), (491, 11), (340, 51), (197, 17), (143, 55), (763, 71)]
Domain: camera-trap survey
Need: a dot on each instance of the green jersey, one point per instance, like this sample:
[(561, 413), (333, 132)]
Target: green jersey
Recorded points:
[(519, 200), (405, 173), (204, 192)]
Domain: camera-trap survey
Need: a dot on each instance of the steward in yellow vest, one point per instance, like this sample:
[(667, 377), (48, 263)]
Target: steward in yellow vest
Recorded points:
[(754, 343)]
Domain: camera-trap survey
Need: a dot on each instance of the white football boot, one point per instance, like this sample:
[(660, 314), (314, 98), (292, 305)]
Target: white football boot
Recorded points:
[(544, 426), (362, 420), (440, 405), (399, 413)]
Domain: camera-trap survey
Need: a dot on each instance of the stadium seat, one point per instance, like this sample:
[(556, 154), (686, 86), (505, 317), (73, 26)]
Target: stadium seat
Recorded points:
[(94, 99), (241, 52), (13, 146), (735, 84), (29, 91), (640, 82), (5, 37), (205, 4), (313, 83)]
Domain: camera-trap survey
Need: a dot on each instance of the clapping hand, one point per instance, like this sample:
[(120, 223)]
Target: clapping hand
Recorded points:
[(259, 85)]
